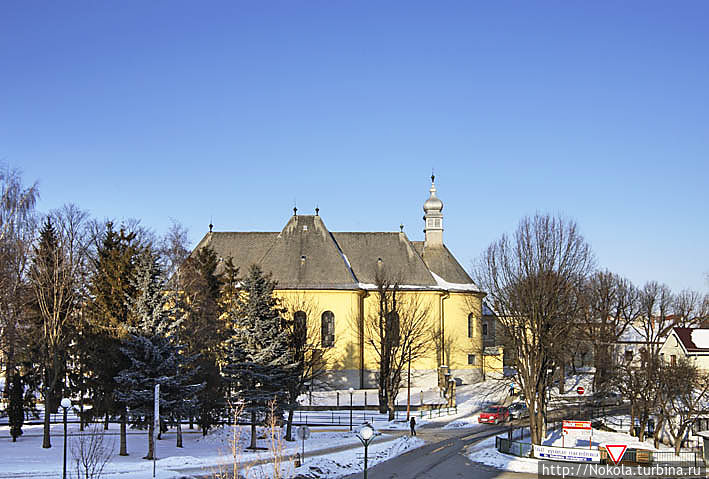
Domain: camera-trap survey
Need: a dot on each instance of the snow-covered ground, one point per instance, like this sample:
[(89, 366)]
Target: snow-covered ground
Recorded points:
[(485, 452), (26, 458)]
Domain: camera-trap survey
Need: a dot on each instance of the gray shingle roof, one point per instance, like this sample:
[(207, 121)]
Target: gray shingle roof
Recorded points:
[(306, 255)]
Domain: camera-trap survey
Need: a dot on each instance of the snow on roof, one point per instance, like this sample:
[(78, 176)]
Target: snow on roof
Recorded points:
[(700, 337), (454, 286)]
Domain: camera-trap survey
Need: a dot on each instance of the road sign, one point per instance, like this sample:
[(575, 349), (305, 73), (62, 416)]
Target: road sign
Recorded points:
[(577, 428), (616, 452), (303, 432), (586, 425), (580, 390)]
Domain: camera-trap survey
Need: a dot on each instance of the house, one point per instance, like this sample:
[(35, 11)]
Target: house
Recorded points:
[(337, 273), (689, 343)]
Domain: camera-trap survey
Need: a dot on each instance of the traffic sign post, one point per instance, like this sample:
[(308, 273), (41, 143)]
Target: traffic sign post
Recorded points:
[(580, 390), (303, 434)]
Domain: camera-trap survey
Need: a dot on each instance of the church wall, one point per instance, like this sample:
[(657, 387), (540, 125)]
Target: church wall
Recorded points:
[(344, 356)]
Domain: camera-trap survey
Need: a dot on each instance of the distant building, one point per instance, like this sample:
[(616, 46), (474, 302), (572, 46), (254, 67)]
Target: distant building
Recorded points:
[(688, 343), (336, 272)]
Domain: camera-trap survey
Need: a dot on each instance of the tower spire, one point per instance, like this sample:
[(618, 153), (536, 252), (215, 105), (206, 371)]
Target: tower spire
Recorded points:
[(433, 217)]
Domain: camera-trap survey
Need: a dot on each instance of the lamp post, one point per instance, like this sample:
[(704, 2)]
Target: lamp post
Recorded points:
[(351, 391), (66, 404), (365, 436)]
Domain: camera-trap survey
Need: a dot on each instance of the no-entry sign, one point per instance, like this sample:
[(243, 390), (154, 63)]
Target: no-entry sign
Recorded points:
[(580, 390)]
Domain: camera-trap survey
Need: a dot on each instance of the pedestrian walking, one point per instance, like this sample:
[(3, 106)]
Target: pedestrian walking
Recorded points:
[(413, 426)]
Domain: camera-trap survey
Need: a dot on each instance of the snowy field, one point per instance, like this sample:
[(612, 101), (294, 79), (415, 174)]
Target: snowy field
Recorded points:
[(27, 459), (484, 452)]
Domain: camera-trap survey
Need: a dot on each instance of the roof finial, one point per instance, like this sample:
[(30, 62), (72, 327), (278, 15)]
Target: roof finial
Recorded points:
[(433, 176), (317, 211), (295, 211), (210, 225), (401, 228)]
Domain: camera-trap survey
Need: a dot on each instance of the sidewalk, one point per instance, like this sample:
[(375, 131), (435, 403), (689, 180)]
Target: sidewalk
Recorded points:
[(392, 435)]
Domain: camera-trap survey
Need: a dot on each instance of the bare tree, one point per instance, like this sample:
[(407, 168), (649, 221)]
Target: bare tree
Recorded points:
[(612, 305), (656, 319), (688, 308), (55, 274), (90, 452), (684, 398), (17, 229), (535, 278), (398, 331), (309, 355)]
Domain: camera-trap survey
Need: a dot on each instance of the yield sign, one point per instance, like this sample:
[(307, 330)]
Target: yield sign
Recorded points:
[(616, 452)]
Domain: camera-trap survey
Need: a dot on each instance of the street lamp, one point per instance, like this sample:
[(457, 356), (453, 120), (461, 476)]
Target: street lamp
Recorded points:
[(365, 436), (351, 391), (66, 404)]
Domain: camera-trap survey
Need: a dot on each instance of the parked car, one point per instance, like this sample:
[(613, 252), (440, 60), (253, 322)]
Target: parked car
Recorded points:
[(518, 410), (494, 415), (607, 399)]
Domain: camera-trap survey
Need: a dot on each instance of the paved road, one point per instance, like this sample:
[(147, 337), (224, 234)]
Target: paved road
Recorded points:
[(443, 457)]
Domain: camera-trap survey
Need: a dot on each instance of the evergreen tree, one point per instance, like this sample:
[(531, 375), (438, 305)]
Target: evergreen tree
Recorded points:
[(203, 330), (16, 410), (111, 288), (154, 357), (257, 356)]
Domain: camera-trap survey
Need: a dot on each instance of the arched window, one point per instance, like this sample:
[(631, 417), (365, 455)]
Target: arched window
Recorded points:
[(327, 329), (300, 325), (471, 325), (392, 328)]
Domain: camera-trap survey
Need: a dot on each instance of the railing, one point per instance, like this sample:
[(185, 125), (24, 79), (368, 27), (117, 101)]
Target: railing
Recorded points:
[(516, 448), (685, 458)]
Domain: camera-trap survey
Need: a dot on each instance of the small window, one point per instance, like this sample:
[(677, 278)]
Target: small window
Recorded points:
[(485, 329), (437, 222), (327, 329), (628, 355), (673, 360), (471, 325), (471, 359), (392, 327)]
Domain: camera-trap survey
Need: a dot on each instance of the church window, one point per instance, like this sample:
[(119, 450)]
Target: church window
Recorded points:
[(485, 329), (392, 328), (327, 329), (300, 320), (471, 325), (471, 359)]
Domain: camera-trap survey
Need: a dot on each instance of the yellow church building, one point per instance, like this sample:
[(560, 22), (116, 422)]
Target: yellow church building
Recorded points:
[(335, 274)]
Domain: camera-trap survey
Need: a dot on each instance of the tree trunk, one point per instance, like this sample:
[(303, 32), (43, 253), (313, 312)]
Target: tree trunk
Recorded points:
[(253, 430), (179, 433), (562, 378), (191, 421), (81, 411), (391, 407), (124, 442), (289, 424), (151, 442), (658, 431), (105, 422), (46, 440)]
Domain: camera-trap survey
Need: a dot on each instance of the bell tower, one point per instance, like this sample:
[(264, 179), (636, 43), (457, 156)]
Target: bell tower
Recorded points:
[(433, 218)]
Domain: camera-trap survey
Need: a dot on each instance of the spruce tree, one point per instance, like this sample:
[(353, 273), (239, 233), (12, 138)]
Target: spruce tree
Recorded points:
[(202, 330), (111, 288), (154, 357), (257, 355)]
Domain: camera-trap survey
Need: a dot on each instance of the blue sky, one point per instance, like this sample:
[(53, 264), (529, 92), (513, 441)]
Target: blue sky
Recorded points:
[(233, 110)]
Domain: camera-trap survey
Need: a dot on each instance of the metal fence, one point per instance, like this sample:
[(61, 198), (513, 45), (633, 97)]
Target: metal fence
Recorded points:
[(516, 448), (685, 458)]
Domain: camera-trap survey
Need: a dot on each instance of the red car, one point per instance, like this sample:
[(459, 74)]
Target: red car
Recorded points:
[(494, 415)]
